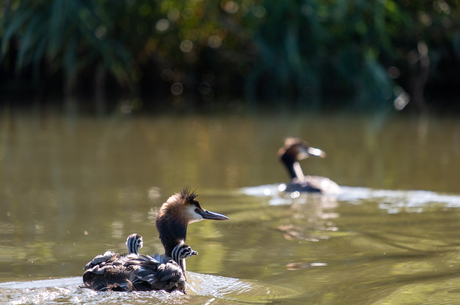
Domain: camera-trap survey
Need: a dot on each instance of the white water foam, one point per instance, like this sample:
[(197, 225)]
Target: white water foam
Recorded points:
[(394, 201)]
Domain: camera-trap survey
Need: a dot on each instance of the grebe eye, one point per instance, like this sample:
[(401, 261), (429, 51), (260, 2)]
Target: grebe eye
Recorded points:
[(197, 211)]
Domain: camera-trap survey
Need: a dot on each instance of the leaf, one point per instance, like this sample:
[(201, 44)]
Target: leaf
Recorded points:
[(27, 41), (13, 27)]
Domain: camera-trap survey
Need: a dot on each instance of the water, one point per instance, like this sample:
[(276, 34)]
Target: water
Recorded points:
[(74, 187)]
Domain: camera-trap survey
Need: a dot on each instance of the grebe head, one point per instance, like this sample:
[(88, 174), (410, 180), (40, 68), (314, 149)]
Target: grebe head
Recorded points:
[(184, 209), (176, 213), (298, 149), (294, 150)]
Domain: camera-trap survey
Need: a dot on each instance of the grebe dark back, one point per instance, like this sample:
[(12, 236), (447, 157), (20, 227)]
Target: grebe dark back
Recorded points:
[(294, 150), (135, 272)]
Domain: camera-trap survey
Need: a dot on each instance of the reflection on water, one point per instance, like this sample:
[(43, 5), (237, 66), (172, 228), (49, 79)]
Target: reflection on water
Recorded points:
[(72, 189)]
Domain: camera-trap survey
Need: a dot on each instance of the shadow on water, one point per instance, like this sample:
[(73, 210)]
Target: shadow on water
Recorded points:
[(70, 191)]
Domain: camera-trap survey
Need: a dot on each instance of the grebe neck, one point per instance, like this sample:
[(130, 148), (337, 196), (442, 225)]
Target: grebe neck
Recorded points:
[(289, 162), (172, 233)]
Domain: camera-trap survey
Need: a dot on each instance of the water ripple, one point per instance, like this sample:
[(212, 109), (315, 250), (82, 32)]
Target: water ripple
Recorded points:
[(214, 289), (394, 201)]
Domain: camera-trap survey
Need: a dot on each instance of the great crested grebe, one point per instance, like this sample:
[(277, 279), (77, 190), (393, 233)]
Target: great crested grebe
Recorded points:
[(135, 272), (294, 150)]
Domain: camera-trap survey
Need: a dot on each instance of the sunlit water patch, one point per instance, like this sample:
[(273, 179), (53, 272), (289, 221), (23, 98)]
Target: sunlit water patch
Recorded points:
[(202, 289), (394, 201)]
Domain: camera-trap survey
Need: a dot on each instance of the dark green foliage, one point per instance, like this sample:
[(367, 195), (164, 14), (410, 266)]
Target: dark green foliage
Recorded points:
[(306, 54), (63, 35)]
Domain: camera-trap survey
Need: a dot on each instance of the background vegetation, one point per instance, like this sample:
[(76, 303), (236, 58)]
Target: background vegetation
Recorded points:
[(209, 54)]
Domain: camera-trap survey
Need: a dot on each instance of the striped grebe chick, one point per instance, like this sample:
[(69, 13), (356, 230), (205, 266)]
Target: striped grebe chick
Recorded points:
[(135, 272), (134, 242), (295, 150)]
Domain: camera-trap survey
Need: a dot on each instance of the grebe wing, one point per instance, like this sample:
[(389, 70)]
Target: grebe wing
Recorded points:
[(150, 274), (133, 272)]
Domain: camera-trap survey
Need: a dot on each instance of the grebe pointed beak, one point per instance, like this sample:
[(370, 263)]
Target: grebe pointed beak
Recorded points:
[(304, 153), (316, 152), (212, 215)]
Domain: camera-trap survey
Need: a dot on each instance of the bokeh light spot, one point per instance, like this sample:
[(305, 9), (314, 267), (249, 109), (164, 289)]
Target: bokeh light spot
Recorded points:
[(186, 46), (173, 15), (230, 7), (214, 41), (162, 25), (259, 11), (393, 72), (100, 32), (425, 19), (401, 101), (177, 88)]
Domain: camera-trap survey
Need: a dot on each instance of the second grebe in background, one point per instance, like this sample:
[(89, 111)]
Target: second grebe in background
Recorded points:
[(131, 272), (294, 150)]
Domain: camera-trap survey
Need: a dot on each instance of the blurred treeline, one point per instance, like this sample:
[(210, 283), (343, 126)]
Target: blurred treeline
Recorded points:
[(209, 54)]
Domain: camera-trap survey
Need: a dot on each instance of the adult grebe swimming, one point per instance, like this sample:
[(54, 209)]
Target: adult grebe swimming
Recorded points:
[(294, 150), (134, 272)]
